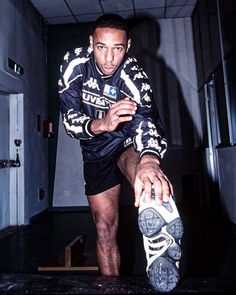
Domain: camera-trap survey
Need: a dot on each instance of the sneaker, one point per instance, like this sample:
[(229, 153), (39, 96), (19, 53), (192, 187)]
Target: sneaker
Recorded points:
[(162, 230)]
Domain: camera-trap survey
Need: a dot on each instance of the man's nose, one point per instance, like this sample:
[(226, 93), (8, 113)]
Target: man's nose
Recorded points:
[(109, 55)]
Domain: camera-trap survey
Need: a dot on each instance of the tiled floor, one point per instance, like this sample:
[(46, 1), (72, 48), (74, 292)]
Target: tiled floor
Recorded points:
[(208, 263)]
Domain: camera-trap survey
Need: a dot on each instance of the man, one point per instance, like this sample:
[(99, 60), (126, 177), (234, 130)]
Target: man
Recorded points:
[(106, 103)]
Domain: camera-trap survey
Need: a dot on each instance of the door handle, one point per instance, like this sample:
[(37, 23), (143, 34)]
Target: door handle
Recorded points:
[(3, 163), (10, 163)]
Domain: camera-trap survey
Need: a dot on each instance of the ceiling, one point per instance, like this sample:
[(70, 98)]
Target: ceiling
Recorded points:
[(77, 11)]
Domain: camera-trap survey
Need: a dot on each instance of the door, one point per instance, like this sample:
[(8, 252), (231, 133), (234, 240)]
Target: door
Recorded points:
[(4, 157), (12, 207)]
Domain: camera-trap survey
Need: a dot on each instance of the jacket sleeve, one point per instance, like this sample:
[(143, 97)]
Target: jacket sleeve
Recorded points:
[(76, 124), (146, 128)]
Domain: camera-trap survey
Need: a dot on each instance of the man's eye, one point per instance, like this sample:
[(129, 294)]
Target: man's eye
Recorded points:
[(100, 47), (119, 48)]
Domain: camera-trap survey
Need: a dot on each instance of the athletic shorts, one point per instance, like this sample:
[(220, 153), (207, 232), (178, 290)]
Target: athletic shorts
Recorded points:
[(101, 175)]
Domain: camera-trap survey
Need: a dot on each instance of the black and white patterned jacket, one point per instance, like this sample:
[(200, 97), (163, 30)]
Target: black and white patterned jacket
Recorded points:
[(85, 94)]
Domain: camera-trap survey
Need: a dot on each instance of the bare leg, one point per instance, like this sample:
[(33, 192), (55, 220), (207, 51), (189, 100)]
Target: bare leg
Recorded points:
[(127, 163), (104, 207)]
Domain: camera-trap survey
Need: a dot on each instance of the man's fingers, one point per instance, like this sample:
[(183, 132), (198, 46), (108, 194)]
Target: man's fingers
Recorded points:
[(157, 186), (119, 112), (163, 189), (138, 190), (151, 176), (148, 190), (124, 104), (137, 200), (124, 110)]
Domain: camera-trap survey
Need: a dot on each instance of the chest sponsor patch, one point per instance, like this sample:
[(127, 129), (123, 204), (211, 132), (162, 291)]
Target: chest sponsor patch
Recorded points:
[(110, 91)]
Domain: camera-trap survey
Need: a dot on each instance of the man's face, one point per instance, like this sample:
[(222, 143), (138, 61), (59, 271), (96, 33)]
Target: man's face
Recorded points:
[(109, 46)]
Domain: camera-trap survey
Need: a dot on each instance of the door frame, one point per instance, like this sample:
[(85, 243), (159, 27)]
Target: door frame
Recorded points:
[(17, 177)]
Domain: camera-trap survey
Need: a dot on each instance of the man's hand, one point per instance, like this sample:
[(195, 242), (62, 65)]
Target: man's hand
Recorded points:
[(119, 112), (149, 174)]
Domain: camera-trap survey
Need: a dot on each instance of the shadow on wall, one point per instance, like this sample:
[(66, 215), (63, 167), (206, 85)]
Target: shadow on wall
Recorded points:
[(177, 100), (185, 162), (168, 96)]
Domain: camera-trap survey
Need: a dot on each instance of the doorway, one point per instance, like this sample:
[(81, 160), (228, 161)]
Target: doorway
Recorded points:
[(11, 160)]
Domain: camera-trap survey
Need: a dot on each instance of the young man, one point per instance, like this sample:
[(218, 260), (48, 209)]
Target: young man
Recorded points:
[(106, 103)]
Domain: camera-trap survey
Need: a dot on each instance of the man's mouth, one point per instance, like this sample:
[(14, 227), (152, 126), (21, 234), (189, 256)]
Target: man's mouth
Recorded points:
[(108, 69)]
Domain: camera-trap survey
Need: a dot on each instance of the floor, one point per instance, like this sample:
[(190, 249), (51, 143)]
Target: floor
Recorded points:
[(208, 262)]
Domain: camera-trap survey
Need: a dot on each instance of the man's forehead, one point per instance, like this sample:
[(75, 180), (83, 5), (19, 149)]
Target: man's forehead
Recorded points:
[(110, 33)]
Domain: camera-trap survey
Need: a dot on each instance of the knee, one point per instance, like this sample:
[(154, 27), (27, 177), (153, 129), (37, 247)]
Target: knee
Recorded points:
[(106, 231)]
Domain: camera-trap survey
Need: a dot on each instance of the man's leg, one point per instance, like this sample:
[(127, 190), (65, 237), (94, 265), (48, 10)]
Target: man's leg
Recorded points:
[(127, 163), (162, 231), (104, 207)]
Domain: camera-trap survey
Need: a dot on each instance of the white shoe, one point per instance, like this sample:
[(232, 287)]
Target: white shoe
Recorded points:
[(162, 230)]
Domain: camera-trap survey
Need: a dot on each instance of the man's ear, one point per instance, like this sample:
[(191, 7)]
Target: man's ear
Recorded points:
[(91, 41), (128, 45)]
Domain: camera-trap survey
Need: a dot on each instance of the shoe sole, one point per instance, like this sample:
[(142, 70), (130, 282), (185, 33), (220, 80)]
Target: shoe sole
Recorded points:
[(163, 272)]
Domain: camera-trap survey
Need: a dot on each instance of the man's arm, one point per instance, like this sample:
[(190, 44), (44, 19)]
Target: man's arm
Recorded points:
[(76, 123), (148, 136), (148, 175), (151, 146)]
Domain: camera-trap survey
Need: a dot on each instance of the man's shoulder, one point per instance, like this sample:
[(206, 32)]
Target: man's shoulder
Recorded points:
[(79, 53), (129, 62), (132, 68)]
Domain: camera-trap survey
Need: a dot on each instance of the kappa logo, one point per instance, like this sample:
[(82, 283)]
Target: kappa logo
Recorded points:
[(60, 83), (147, 98), (92, 83), (66, 56), (130, 59), (139, 76), (78, 51), (127, 142), (135, 68), (145, 87)]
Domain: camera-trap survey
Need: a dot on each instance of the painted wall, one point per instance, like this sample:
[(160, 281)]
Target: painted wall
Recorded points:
[(166, 52), (23, 39), (65, 161)]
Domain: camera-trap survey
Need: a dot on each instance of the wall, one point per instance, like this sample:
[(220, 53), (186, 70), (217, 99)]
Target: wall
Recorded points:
[(23, 39), (65, 161), (215, 47), (227, 176), (165, 50)]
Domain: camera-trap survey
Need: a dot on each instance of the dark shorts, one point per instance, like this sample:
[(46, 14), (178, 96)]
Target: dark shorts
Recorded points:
[(101, 175)]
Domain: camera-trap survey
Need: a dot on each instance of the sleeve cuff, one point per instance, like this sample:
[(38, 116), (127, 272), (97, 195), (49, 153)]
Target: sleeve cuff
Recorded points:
[(88, 129), (151, 153)]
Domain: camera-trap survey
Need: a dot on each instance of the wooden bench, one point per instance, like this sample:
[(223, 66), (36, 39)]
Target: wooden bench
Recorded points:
[(73, 259)]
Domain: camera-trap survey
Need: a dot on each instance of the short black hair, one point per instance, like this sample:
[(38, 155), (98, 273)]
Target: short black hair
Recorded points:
[(112, 21)]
